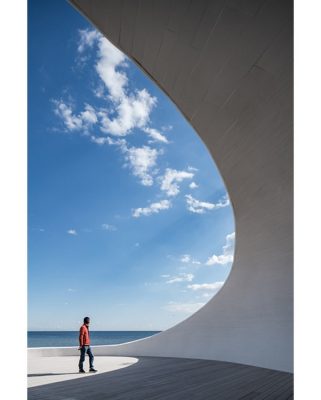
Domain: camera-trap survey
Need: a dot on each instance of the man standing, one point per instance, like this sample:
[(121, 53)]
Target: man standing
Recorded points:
[(84, 347)]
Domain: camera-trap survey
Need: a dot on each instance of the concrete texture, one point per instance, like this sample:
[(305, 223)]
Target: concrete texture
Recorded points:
[(227, 65), (44, 370)]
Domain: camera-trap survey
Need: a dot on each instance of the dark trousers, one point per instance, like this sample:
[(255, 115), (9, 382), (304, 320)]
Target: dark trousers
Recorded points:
[(83, 351)]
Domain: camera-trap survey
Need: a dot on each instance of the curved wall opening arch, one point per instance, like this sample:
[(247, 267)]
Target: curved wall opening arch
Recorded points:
[(157, 242), (240, 103)]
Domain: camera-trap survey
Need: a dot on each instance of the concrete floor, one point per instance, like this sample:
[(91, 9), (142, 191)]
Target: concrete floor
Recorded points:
[(155, 378), (45, 370)]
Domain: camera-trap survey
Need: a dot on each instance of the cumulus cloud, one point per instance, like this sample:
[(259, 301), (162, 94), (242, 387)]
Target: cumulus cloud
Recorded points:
[(169, 182), (154, 208), (155, 135), (121, 143), (65, 112), (110, 59), (108, 227), (87, 38), (128, 109), (206, 286), (187, 258), (83, 121), (100, 140), (141, 160), (132, 111), (88, 116), (193, 185), (185, 308), (228, 252), (72, 232), (200, 207), (182, 277)]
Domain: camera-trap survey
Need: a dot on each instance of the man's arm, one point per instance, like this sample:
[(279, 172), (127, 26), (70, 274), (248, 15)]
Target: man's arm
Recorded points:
[(81, 337)]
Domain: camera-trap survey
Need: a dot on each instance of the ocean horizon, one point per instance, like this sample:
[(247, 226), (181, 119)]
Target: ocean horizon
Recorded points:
[(70, 338)]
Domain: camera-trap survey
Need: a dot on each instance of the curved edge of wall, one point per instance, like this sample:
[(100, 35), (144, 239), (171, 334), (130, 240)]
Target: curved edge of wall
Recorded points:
[(250, 321)]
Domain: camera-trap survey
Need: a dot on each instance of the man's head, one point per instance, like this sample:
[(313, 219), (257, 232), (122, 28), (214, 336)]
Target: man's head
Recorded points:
[(87, 320)]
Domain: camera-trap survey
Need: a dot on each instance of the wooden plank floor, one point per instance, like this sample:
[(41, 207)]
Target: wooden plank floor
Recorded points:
[(155, 378)]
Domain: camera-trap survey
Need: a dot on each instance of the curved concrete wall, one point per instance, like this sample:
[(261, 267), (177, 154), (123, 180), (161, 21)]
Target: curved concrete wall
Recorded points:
[(227, 65)]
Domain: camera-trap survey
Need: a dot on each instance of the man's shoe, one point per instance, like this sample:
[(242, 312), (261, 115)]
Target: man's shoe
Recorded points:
[(92, 370), (82, 371)]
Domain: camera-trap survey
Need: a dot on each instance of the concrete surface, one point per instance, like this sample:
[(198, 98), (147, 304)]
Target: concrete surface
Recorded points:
[(228, 67), (157, 378), (45, 370)]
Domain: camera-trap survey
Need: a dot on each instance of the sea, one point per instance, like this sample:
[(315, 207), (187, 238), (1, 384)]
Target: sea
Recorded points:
[(70, 338)]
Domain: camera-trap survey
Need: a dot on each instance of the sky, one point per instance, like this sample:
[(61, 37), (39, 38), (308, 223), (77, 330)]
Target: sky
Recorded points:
[(129, 220)]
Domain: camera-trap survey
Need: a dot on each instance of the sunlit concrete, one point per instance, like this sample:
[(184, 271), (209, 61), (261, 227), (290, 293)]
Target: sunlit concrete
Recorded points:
[(227, 66), (44, 370)]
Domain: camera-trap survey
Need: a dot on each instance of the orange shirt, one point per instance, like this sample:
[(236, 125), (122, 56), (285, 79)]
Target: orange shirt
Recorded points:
[(84, 339)]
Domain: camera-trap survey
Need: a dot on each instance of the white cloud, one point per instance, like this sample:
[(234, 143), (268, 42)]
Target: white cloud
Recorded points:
[(154, 208), (221, 259), (72, 232), (132, 112), (186, 308), (193, 185), (189, 168), (112, 142), (187, 258), (73, 122), (230, 243), (182, 277), (109, 59), (108, 227), (200, 207), (65, 112), (132, 109), (165, 276), (141, 160), (71, 290), (88, 116), (100, 140), (206, 286), (155, 135), (128, 109), (170, 179), (228, 252), (87, 39)]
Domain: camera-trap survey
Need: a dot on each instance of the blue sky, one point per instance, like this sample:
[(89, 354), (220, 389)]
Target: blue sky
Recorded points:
[(128, 218)]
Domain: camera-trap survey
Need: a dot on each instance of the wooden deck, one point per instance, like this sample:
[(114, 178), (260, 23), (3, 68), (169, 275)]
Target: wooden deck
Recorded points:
[(158, 378)]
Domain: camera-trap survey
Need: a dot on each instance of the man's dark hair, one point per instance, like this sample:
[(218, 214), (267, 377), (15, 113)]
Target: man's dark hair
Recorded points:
[(86, 320)]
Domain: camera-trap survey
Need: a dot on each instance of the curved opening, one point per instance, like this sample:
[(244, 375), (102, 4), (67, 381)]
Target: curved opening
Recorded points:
[(130, 221)]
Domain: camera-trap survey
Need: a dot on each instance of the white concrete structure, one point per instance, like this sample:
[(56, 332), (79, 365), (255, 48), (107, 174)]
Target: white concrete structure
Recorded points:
[(227, 65)]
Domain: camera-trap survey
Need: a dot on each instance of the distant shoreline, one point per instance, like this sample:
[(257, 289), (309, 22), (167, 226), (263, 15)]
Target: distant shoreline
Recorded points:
[(97, 330), (70, 338)]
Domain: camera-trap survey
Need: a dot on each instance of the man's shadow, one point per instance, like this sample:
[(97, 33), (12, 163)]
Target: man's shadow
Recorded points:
[(52, 374)]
